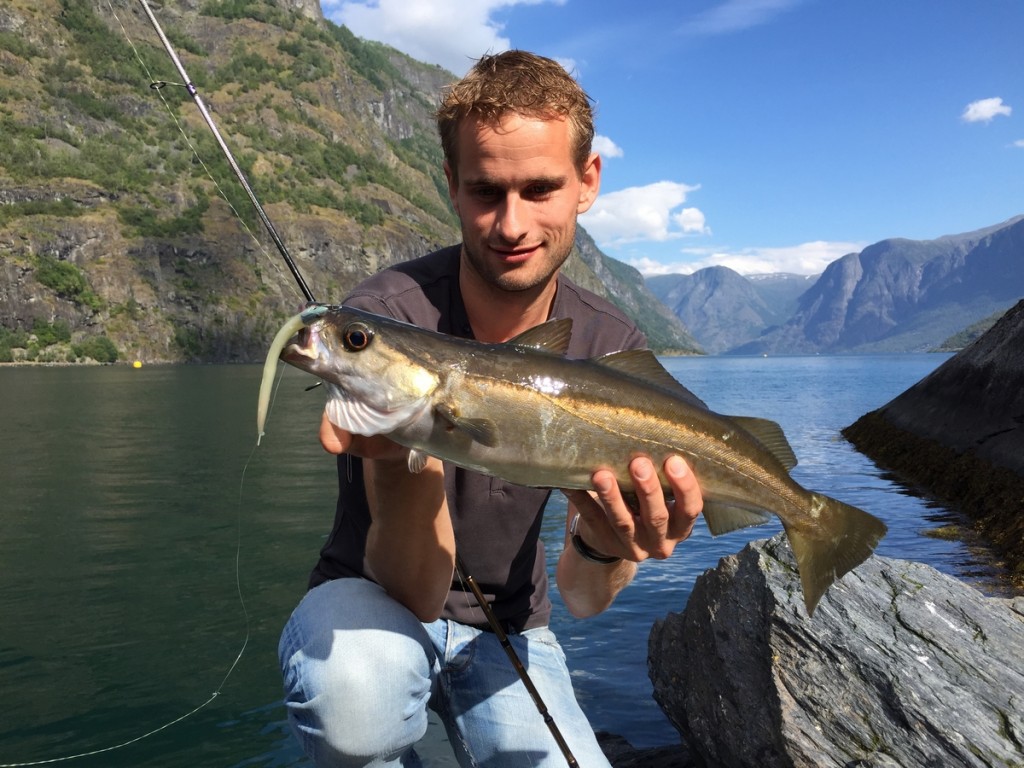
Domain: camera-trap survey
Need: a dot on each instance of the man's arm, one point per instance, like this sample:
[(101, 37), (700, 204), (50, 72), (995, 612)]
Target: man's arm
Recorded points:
[(608, 526), (410, 548)]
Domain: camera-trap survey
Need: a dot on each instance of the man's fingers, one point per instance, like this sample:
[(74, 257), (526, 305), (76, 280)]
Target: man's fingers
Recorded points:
[(617, 512), (609, 523), (579, 499), (688, 499), (647, 486), (333, 439), (660, 520)]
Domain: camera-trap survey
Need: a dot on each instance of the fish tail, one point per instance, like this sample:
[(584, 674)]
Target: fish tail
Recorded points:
[(841, 538)]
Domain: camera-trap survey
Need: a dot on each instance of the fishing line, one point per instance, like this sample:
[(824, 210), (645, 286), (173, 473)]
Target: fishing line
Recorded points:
[(492, 620), (115, 746), (201, 105), (217, 691), (158, 86)]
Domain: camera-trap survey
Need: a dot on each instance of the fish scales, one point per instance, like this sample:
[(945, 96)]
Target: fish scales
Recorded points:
[(525, 413), (569, 416)]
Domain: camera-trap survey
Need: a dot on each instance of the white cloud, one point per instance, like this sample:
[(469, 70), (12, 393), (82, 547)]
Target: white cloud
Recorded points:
[(643, 213), (606, 147), (691, 221), (984, 110), (736, 15), (804, 259), (1019, 143), (424, 29)]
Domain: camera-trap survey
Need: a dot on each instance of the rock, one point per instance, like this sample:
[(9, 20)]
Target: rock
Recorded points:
[(622, 754), (308, 8), (958, 435), (974, 402), (900, 666)]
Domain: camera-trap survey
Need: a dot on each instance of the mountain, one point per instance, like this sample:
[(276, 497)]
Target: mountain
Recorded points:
[(903, 295), (723, 309), (111, 227), (628, 289), (781, 290)]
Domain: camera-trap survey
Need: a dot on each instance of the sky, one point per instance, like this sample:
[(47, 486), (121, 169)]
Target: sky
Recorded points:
[(763, 135)]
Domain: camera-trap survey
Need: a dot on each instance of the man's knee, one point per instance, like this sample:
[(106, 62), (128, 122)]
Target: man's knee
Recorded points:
[(352, 689)]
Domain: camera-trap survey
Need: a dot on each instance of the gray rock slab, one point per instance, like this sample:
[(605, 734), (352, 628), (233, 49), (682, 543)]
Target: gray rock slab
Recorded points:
[(622, 754), (899, 666), (974, 402)]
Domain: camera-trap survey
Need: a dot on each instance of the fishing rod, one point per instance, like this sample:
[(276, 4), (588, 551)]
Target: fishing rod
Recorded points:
[(463, 574), (194, 93), (513, 657)]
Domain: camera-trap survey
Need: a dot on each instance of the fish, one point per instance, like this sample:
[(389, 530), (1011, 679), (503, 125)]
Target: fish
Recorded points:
[(524, 412)]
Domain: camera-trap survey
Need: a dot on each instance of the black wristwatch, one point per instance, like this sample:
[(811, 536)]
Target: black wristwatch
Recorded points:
[(584, 551)]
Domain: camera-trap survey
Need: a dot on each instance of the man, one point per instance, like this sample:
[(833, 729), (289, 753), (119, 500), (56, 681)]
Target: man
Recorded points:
[(388, 628)]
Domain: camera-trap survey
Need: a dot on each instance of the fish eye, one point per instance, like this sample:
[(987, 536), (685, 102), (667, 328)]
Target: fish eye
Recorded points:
[(357, 337)]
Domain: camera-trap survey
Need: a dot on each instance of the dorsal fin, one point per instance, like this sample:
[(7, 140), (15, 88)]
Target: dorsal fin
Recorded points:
[(644, 364), (552, 336), (770, 435)]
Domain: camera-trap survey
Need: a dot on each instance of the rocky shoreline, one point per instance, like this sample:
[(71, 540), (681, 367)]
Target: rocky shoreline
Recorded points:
[(900, 665), (958, 436), (990, 498)]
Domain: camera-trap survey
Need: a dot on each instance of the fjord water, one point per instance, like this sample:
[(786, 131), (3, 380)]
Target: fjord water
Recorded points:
[(130, 499)]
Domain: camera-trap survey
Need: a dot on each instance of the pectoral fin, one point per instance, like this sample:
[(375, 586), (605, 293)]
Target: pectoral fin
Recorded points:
[(417, 461), (483, 431)]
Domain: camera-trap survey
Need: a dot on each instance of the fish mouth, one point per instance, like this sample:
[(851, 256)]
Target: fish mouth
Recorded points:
[(299, 338), (301, 348)]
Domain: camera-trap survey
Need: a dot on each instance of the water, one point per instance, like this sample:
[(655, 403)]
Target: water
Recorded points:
[(130, 498)]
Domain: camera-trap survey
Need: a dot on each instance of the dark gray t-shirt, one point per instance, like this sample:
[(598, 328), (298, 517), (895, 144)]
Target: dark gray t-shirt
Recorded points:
[(497, 524)]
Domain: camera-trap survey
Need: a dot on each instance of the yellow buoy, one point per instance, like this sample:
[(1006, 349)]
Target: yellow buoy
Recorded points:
[(137, 364)]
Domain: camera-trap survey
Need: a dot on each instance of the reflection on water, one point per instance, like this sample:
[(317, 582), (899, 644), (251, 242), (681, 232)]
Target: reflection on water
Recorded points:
[(127, 495)]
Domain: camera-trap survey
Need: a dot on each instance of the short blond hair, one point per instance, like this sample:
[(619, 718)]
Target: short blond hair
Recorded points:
[(522, 83)]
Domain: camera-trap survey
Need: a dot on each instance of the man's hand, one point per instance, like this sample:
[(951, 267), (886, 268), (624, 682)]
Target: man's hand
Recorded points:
[(610, 526)]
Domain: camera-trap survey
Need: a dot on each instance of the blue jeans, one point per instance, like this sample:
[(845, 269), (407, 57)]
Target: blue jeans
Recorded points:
[(360, 671)]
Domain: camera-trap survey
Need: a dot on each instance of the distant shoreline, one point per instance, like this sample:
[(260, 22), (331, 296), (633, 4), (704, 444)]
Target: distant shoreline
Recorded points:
[(56, 363)]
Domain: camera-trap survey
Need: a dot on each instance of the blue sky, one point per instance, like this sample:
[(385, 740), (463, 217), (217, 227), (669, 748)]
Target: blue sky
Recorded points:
[(764, 135)]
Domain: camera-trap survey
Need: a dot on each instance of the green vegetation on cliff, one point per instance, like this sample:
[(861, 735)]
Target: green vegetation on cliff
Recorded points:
[(51, 343), (964, 338), (119, 215)]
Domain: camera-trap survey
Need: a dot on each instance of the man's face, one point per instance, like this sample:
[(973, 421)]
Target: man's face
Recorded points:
[(517, 194)]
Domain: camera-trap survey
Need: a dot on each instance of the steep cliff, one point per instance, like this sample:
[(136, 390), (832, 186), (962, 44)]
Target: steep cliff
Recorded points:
[(110, 223), (625, 286), (958, 435)]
